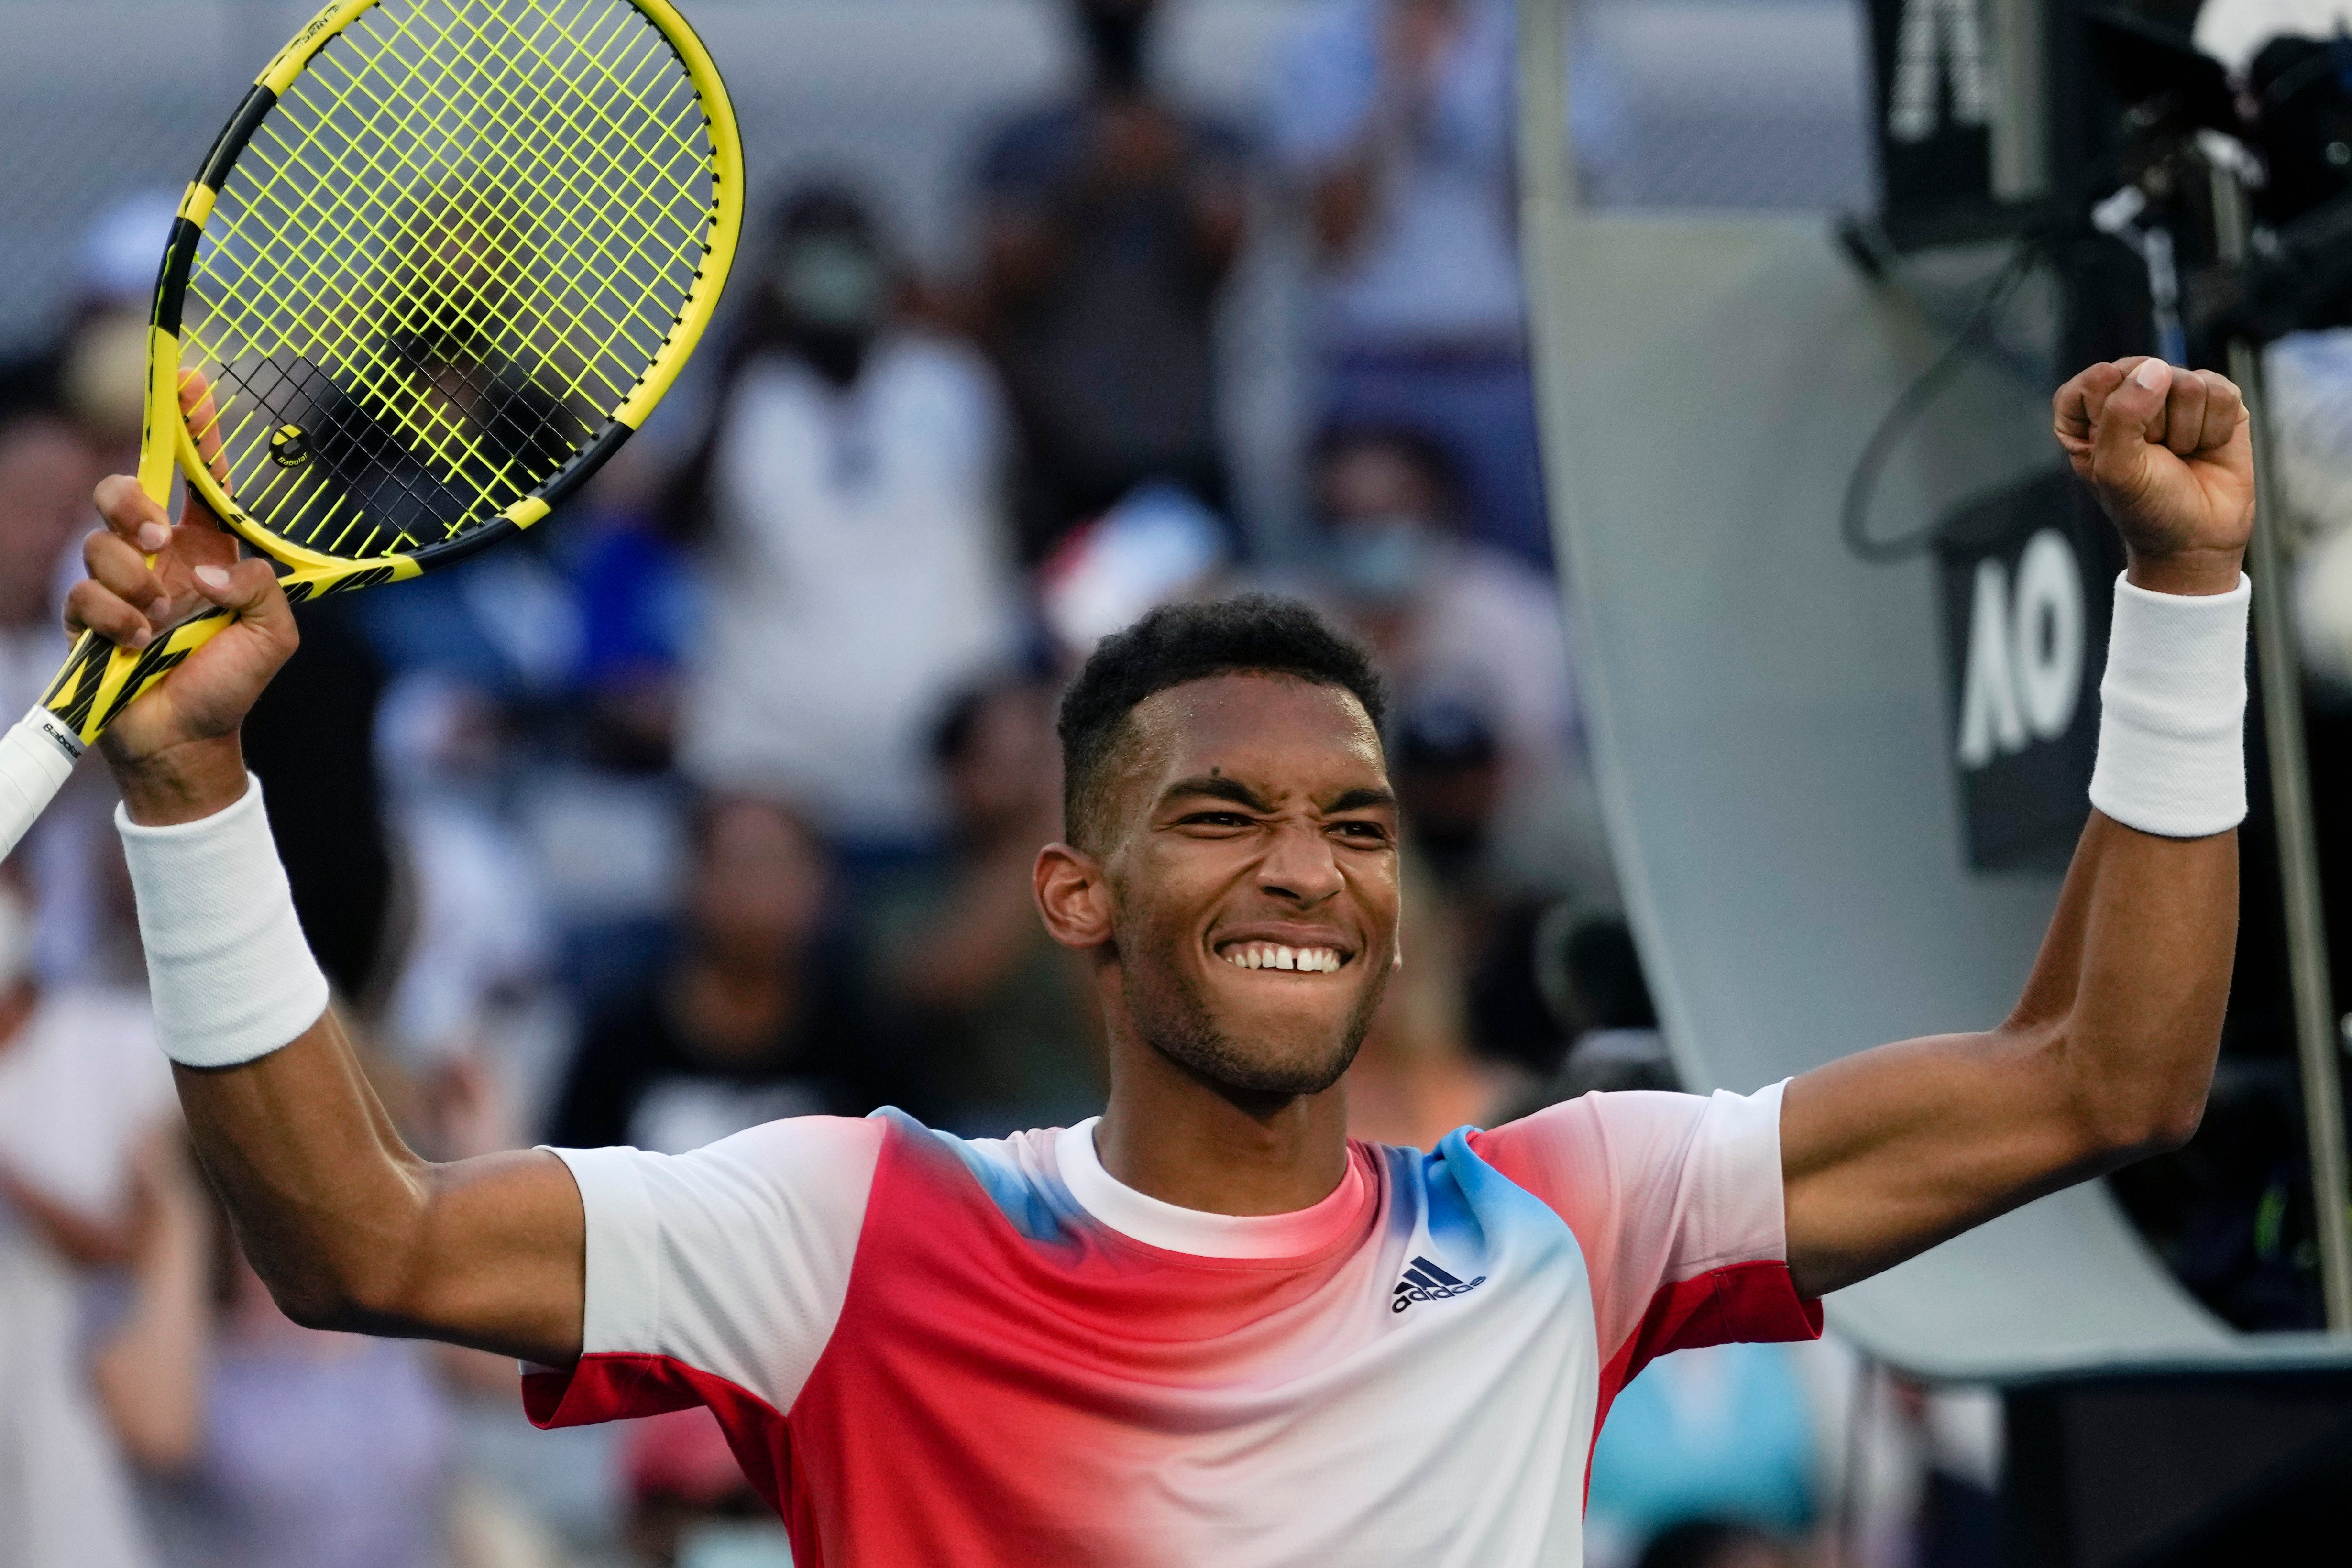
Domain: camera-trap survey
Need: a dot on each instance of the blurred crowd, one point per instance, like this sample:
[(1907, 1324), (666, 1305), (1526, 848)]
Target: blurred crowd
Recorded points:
[(714, 800)]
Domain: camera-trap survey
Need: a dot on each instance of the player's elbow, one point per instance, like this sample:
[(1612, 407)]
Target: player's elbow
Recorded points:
[(2156, 1129), (2123, 1117), (348, 1295), (314, 1303)]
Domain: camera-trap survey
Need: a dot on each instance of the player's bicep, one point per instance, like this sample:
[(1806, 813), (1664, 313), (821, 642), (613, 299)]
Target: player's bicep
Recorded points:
[(499, 1258), (1888, 1151)]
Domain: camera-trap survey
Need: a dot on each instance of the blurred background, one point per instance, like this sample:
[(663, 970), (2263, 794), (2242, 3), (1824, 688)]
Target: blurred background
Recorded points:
[(714, 800)]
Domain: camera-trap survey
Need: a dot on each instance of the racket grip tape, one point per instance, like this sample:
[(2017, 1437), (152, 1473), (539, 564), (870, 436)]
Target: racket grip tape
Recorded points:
[(35, 758)]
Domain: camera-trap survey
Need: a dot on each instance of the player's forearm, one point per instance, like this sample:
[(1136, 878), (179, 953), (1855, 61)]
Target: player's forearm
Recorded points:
[(327, 1200), (2136, 970), (2128, 991), (316, 1181)]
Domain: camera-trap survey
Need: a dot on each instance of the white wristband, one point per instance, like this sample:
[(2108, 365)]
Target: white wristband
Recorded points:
[(229, 973), (2172, 713)]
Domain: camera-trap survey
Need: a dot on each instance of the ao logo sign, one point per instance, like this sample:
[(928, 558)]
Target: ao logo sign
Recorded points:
[(2023, 678), (1940, 47)]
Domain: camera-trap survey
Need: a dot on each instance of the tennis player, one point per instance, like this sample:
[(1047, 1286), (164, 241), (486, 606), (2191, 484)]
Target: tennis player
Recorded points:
[(1205, 1327)]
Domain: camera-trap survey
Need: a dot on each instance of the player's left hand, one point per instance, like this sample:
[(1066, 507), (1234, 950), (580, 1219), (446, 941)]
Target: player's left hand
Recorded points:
[(2170, 454)]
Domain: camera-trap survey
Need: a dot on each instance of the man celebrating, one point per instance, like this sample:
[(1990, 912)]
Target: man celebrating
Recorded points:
[(1205, 1327)]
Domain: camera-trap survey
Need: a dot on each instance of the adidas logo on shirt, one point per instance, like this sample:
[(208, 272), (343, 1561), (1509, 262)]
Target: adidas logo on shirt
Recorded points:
[(1425, 1282)]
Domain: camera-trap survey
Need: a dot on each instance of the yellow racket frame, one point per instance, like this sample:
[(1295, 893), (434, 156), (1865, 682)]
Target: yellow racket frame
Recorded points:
[(100, 680)]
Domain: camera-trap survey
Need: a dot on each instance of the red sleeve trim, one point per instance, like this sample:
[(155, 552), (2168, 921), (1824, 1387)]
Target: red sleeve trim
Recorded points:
[(615, 1385), (1751, 1301)]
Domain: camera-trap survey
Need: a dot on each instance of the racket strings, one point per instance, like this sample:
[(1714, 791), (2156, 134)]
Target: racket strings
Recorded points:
[(446, 255)]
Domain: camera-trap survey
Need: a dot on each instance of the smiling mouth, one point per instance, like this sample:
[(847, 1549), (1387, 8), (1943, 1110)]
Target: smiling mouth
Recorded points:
[(1273, 956)]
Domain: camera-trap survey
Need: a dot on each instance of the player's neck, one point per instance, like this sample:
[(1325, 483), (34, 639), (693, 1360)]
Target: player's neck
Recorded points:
[(1170, 1135)]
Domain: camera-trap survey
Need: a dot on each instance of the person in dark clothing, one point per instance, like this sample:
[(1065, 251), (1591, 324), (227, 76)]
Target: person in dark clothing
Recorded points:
[(311, 741), (1107, 222), (755, 1020)]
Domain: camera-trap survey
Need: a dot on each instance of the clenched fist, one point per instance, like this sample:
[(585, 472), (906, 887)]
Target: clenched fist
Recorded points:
[(2170, 454)]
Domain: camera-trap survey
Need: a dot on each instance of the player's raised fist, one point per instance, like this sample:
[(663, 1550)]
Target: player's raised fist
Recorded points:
[(2171, 454)]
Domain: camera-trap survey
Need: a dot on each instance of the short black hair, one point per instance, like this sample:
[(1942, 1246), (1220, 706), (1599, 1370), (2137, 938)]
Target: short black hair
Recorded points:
[(1253, 633)]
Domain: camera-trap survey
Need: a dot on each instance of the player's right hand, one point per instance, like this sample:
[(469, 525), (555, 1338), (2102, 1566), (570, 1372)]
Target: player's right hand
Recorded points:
[(180, 737)]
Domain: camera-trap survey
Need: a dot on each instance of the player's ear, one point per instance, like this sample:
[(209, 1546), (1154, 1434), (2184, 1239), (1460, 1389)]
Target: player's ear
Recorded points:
[(1072, 896)]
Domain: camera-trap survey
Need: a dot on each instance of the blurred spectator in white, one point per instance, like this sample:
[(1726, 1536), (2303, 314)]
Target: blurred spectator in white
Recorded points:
[(1000, 1013), (1108, 220), (82, 1087), (852, 488), (758, 1016), (1393, 118), (689, 1505)]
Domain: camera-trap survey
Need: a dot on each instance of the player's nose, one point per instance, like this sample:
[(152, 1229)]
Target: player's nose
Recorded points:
[(1301, 866)]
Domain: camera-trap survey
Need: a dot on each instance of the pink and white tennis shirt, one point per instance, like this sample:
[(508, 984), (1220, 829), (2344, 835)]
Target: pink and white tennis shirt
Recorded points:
[(929, 1350)]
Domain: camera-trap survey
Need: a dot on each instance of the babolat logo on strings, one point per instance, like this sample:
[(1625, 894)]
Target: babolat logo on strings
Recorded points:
[(1425, 1282)]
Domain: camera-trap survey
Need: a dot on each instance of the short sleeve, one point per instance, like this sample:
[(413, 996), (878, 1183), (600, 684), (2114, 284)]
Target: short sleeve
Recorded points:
[(722, 1268), (1675, 1200)]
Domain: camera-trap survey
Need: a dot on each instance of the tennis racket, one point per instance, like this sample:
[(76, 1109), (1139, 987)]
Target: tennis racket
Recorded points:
[(444, 259)]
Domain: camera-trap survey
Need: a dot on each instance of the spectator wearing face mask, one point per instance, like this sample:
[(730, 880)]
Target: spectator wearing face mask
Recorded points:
[(1108, 220), (1448, 616), (1487, 746), (849, 497)]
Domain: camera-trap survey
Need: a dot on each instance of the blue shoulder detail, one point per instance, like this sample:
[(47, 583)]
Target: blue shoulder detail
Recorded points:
[(1025, 1205), (1473, 1209)]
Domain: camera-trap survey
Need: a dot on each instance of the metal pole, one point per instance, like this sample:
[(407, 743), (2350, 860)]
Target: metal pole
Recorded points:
[(2315, 1026)]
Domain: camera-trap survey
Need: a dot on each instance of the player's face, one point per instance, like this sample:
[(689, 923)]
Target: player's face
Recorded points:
[(1256, 884)]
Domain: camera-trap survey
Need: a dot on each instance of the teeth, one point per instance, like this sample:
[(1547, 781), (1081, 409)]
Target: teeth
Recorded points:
[(1273, 956)]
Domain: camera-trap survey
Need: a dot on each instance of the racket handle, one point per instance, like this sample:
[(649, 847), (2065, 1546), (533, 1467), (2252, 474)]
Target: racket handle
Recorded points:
[(98, 681), (36, 757)]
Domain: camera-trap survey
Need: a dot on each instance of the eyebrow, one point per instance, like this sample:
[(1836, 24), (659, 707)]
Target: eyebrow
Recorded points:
[(1361, 800), (1217, 787)]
